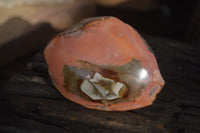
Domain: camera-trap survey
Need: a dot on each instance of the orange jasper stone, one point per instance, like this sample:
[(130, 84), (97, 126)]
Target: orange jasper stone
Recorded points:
[(103, 63)]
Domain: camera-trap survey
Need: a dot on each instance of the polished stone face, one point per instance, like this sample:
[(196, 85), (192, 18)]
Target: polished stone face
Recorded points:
[(103, 63)]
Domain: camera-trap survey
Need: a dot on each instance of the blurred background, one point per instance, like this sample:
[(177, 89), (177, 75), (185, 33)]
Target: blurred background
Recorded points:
[(40, 20), (28, 99)]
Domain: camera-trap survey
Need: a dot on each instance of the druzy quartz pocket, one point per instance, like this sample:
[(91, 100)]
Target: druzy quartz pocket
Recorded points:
[(103, 63)]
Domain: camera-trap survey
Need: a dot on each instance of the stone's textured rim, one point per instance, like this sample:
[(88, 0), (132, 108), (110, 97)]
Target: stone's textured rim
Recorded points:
[(58, 48), (76, 27)]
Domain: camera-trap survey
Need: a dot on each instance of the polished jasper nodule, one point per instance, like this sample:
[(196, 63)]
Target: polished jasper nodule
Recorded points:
[(103, 63)]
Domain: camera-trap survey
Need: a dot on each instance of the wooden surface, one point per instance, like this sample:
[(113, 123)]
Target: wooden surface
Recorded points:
[(30, 103)]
